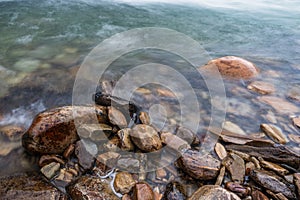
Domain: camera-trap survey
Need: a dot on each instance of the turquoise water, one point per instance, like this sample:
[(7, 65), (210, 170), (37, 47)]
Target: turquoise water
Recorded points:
[(43, 43)]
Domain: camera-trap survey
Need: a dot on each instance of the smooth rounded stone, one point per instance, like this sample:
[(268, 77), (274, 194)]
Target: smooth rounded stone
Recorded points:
[(199, 166), (272, 182), (27, 65), (274, 132), (87, 187), (142, 191), (274, 167), (174, 142), (238, 189), (261, 87), (236, 167), (47, 159), (85, 152), (212, 192), (145, 138), (28, 186), (50, 170), (280, 105), (232, 127), (258, 195), (12, 132), (220, 151), (232, 67), (174, 191), (116, 117), (130, 164), (52, 131), (144, 118), (124, 182), (125, 140), (96, 132)]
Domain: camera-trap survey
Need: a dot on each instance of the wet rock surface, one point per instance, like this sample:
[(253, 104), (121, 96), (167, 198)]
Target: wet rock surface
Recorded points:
[(210, 192)]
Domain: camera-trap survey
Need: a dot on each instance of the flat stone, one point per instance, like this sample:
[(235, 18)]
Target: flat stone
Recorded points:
[(232, 67), (199, 166), (274, 167), (50, 170), (142, 191), (47, 159), (274, 132), (261, 87), (297, 183), (125, 140), (28, 186), (236, 167), (105, 162), (52, 131), (272, 182), (295, 138), (220, 151), (146, 138), (96, 132), (116, 117), (174, 142), (212, 192), (258, 195), (280, 105), (87, 187), (130, 164), (85, 157), (232, 127), (124, 182), (238, 189)]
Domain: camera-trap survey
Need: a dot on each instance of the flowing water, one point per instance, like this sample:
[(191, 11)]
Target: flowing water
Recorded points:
[(42, 44)]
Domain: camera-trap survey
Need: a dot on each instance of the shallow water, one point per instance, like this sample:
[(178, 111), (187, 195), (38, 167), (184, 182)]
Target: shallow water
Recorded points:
[(42, 44)]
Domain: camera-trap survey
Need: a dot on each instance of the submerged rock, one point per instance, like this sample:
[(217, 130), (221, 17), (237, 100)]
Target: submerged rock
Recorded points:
[(212, 192), (124, 182), (280, 105), (142, 191), (174, 191), (261, 87), (52, 131), (232, 67)]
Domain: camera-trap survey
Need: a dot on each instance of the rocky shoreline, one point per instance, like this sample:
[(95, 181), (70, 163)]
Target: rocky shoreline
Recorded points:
[(98, 152)]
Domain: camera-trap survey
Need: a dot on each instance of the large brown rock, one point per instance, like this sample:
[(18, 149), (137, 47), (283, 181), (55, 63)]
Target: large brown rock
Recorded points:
[(28, 186), (142, 191), (212, 192), (232, 67), (52, 131)]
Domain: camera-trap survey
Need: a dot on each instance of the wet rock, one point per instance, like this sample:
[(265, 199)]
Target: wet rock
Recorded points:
[(274, 132), (125, 140), (145, 138), (69, 151), (220, 151), (116, 117), (294, 93), (12, 132), (87, 187), (199, 166), (144, 118), (229, 126), (130, 164), (297, 183), (105, 162), (161, 173), (28, 186), (272, 182), (296, 121), (65, 177), (272, 166), (186, 134), (8, 147), (280, 105), (50, 170), (126, 197), (232, 67), (174, 142), (174, 191), (238, 189), (54, 130), (157, 194), (258, 195), (85, 154), (220, 176), (124, 182), (142, 191), (47, 159), (211, 192), (27, 65), (236, 167), (96, 132), (261, 87)]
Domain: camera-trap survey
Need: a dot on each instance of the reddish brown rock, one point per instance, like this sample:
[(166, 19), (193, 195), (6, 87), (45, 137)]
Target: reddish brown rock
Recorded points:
[(261, 87), (142, 191), (232, 67), (280, 105), (52, 131), (237, 189)]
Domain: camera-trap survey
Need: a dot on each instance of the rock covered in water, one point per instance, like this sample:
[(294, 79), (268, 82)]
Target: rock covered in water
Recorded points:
[(142, 191), (124, 182), (174, 191), (232, 67), (280, 105), (261, 87), (212, 192), (52, 131)]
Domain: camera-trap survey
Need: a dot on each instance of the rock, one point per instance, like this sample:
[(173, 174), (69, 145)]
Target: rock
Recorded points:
[(123, 182), (261, 87), (146, 138), (50, 170), (274, 133), (126, 143), (295, 138), (258, 195), (84, 154), (87, 187), (130, 164), (116, 117), (105, 162), (232, 67), (96, 132), (212, 192), (65, 177), (280, 105), (8, 147), (52, 131), (236, 167), (272, 182), (274, 167), (47, 159), (28, 186), (294, 93), (161, 173), (297, 183), (174, 142), (126, 197), (237, 189), (12, 132), (186, 134), (142, 191), (27, 65), (198, 166), (144, 118), (229, 126), (296, 121), (220, 151), (69, 151), (221, 176), (157, 194), (174, 191)]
